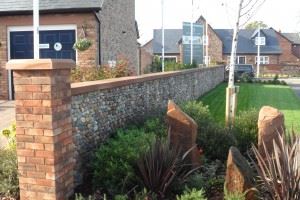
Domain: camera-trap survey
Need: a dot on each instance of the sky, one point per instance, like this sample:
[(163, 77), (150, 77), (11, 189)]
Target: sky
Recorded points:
[(279, 14)]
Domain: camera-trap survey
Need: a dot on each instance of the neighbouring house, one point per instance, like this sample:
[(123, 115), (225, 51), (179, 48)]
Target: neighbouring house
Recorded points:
[(279, 47), (294, 39), (110, 25), (247, 50)]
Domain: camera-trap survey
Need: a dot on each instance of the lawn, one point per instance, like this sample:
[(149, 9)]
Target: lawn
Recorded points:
[(255, 96)]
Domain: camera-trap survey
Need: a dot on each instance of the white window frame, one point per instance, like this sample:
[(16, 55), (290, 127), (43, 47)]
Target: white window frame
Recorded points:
[(30, 28), (265, 60), (237, 59), (169, 57)]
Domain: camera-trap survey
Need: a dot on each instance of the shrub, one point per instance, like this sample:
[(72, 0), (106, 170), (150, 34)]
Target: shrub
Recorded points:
[(113, 165), (279, 171), (121, 69), (156, 126), (162, 166), (214, 139), (9, 184), (210, 177), (245, 129), (80, 197), (245, 78), (193, 194)]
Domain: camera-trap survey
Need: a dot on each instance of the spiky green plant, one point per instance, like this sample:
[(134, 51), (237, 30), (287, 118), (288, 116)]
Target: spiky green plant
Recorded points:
[(279, 170), (161, 166)]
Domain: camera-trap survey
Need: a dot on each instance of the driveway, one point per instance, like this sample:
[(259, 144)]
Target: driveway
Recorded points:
[(294, 83), (7, 116)]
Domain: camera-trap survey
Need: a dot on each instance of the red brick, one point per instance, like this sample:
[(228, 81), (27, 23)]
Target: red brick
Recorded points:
[(25, 152), (46, 88), (19, 117), (40, 175), (23, 110), (43, 124), (45, 168), (48, 118), (37, 146), (23, 95), (30, 117), (22, 81), (42, 111), (47, 103), (32, 103), (41, 80), (33, 160), (24, 124), (34, 131), (49, 161), (20, 145), (25, 138), (21, 159), (20, 131), (27, 195), (39, 188), (41, 96), (28, 88), (44, 154), (44, 139)]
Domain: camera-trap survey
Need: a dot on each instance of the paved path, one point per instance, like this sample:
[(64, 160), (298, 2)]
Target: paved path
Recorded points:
[(294, 83), (7, 116)]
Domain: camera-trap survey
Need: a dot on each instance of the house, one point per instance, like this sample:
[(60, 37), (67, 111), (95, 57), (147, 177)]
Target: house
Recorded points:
[(279, 48), (110, 25), (294, 39), (247, 50)]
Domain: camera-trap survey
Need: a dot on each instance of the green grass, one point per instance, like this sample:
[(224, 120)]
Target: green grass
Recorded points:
[(255, 96)]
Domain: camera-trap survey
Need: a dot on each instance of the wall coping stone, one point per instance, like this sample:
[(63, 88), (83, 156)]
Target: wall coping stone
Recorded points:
[(90, 86), (40, 64)]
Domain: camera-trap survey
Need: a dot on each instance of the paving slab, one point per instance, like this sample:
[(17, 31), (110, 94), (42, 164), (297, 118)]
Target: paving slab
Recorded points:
[(7, 117)]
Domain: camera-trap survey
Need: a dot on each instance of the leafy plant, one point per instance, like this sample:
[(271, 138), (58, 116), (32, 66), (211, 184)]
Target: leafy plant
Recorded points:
[(245, 78), (121, 69), (193, 194), (80, 197), (82, 44), (279, 171), (245, 129), (113, 165), (9, 184), (10, 134), (214, 139), (156, 126), (161, 166), (234, 196)]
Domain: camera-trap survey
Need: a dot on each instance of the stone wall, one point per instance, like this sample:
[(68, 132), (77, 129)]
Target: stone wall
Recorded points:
[(118, 32), (100, 107)]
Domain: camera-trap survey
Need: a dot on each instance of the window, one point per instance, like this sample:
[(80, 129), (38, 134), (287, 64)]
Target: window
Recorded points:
[(170, 58), (238, 60), (260, 41), (263, 60)]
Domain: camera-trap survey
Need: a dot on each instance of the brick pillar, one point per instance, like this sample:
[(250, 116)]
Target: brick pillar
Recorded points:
[(45, 146)]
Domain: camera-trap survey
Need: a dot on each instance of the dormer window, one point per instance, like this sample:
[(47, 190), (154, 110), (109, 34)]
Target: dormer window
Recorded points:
[(260, 41)]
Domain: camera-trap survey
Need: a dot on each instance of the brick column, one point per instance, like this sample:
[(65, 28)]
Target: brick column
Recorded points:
[(45, 146)]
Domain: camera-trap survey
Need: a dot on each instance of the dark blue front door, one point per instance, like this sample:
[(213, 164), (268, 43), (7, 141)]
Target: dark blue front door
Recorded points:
[(53, 44)]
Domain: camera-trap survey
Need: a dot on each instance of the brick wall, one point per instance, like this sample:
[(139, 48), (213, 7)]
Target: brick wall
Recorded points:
[(100, 107), (88, 58), (215, 45), (286, 48), (118, 32), (250, 59), (146, 56)]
